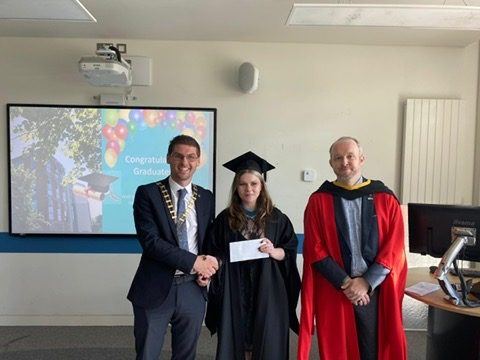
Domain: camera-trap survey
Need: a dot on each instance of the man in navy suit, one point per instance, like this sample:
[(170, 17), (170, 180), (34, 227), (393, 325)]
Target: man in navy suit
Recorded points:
[(169, 286)]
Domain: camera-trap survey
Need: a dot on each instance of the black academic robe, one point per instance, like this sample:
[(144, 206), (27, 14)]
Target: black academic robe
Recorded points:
[(275, 299)]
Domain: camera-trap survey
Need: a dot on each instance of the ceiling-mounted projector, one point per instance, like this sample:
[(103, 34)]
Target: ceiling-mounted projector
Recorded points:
[(106, 69)]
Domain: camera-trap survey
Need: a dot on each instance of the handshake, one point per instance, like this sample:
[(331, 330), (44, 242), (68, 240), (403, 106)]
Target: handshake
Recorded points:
[(206, 266)]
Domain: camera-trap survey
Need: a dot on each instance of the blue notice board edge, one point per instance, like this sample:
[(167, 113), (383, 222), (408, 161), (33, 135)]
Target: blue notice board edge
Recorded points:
[(68, 244), (77, 244)]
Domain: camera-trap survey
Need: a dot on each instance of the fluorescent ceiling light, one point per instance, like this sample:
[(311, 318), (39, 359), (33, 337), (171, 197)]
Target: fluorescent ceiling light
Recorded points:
[(415, 16), (53, 10)]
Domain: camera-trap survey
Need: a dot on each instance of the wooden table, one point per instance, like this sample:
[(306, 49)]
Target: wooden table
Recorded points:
[(453, 331)]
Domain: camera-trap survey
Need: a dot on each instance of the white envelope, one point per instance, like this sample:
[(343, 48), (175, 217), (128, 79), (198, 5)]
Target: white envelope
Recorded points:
[(246, 250)]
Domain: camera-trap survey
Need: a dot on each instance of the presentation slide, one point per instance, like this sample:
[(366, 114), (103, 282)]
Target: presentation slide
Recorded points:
[(75, 169)]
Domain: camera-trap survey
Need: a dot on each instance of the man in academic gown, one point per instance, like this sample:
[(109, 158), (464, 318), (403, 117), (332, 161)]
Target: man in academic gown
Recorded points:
[(354, 265)]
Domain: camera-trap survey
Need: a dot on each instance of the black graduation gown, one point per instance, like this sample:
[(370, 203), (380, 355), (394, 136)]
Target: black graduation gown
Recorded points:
[(276, 296)]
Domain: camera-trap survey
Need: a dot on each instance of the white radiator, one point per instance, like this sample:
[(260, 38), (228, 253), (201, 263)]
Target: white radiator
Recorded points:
[(433, 150)]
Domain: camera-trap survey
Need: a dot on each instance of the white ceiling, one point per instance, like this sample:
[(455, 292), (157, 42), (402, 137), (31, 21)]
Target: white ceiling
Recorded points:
[(227, 20)]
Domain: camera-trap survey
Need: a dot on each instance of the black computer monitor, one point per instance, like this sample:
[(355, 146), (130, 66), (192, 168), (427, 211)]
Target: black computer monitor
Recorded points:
[(430, 229)]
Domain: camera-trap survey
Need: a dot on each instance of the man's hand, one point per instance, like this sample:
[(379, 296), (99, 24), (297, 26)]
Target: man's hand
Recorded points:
[(202, 281), (356, 290), (205, 265)]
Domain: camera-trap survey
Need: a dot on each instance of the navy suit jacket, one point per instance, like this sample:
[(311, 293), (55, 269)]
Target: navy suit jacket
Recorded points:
[(157, 235)]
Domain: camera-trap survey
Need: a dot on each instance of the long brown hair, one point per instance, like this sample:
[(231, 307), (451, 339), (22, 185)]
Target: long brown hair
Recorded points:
[(236, 214)]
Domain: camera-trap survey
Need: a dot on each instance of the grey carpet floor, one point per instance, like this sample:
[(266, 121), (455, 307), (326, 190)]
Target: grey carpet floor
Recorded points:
[(116, 343)]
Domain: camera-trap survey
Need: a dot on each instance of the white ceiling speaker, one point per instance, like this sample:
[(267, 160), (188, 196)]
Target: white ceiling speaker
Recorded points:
[(248, 77)]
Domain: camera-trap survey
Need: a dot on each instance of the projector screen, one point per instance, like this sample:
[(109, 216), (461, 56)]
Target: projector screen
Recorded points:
[(75, 169)]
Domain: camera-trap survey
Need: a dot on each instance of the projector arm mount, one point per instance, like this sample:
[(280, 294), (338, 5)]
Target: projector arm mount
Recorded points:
[(110, 52), (117, 52)]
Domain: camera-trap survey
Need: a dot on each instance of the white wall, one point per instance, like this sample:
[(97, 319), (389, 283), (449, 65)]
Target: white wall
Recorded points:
[(65, 289), (308, 96)]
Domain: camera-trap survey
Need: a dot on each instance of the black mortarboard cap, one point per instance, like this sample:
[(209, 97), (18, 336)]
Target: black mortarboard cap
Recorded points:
[(249, 161), (98, 182)]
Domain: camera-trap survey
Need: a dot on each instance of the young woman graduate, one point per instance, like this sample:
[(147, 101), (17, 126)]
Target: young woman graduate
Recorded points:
[(251, 303)]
